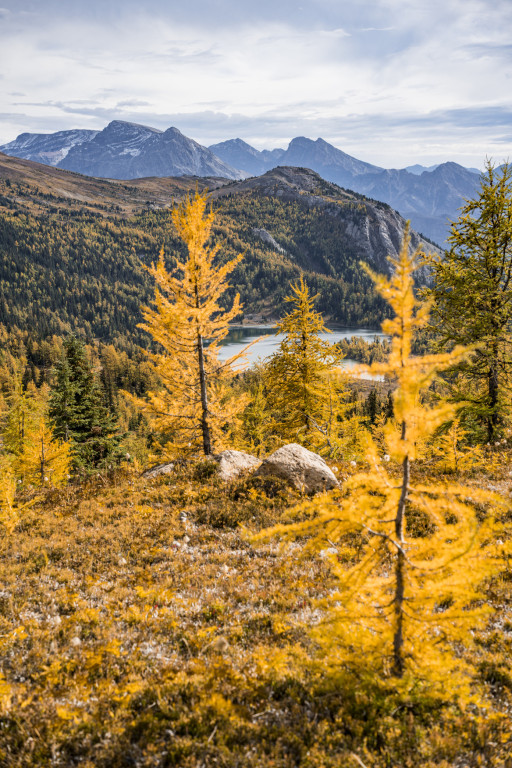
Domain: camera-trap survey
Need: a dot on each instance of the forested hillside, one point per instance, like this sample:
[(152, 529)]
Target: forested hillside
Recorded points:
[(73, 249)]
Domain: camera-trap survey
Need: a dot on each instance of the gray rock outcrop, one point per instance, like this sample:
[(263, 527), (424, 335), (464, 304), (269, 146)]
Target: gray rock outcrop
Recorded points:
[(303, 469), (232, 464), (160, 469)]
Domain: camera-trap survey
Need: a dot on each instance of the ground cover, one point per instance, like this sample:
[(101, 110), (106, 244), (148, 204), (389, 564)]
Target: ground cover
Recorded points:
[(140, 627)]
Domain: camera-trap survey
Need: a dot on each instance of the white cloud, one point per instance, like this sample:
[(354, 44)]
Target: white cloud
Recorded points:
[(367, 76)]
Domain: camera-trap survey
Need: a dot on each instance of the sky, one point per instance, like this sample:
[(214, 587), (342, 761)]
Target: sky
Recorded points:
[(392, 82)]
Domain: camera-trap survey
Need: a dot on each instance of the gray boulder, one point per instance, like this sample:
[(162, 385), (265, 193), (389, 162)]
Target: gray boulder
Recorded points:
[(160, 469), (303, 469), (234, 463)]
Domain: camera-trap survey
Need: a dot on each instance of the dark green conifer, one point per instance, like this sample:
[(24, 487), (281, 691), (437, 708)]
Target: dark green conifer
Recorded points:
[(78, 410)]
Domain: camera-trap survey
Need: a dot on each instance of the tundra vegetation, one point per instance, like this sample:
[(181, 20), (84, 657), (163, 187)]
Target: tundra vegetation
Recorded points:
[(181, 620)]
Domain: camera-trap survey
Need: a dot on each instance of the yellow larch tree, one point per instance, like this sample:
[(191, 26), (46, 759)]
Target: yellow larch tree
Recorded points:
[(409, 556), (302, 390), (35, 455), (44, 459), (194, 408), (8, 508)]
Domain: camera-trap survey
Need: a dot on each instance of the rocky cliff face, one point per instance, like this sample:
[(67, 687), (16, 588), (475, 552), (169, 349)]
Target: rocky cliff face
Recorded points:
[(373, 229)]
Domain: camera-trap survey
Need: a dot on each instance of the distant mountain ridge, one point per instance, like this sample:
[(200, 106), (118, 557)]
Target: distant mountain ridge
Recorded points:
[(429, 197), (122, 150), (47, 148)]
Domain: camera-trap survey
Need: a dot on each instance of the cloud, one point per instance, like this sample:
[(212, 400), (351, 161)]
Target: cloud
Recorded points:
[(380, 78), (132, 103)]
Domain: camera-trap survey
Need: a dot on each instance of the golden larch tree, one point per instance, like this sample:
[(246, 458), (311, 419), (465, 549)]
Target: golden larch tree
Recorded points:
[(35, 454), (410, 556), (299, 378), (193, 409), (44, 459)]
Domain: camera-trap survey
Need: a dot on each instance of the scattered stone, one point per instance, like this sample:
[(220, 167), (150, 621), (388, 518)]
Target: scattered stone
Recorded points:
[(160, 469), (303, 469), (231, 464), (75, 641), (183, 517)]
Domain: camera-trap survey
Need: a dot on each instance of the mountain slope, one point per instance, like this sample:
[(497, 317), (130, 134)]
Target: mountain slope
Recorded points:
[(241, 155), (429, 197), (73, 248)]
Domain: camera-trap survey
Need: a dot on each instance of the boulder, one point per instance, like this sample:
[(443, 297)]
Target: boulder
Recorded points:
[(160, 469), (303, 469), (234, 463)]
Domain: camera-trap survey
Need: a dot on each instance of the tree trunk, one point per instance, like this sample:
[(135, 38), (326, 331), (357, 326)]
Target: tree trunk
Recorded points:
[(43, 460), (398, 637), (493, 389), (205, 427)]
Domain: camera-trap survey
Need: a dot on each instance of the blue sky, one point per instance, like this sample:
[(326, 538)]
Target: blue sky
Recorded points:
[(392, 82)]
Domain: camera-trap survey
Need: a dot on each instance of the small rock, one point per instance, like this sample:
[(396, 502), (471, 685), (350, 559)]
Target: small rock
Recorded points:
[(75, 642), (183, 517), (160, 469)]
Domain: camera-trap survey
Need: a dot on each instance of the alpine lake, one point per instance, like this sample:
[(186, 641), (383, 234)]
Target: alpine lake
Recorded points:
[(266, 341)]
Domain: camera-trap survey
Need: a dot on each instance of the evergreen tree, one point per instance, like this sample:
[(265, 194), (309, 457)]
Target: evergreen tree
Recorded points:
[(372, 406), (472, 297), (193, 410), (78, 412), (300, 390)]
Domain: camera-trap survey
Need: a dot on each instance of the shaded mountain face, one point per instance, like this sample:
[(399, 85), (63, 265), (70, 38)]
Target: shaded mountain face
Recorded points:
[(73, 248), (241, 155), (122, 151), (430, 200), (331, 163)]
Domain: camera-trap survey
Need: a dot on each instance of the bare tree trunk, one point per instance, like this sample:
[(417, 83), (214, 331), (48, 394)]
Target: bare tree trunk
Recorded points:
[(398, 636), (43, 460), (205, 426), (493, 389)]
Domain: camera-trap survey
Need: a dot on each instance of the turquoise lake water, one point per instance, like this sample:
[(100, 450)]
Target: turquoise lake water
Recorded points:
[(239, 337)]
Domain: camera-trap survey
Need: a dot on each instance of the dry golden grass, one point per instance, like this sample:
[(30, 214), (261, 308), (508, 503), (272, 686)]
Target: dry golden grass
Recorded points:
[(138, 627)]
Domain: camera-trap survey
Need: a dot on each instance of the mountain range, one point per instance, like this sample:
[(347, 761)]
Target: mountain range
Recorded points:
[(429, 197)]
